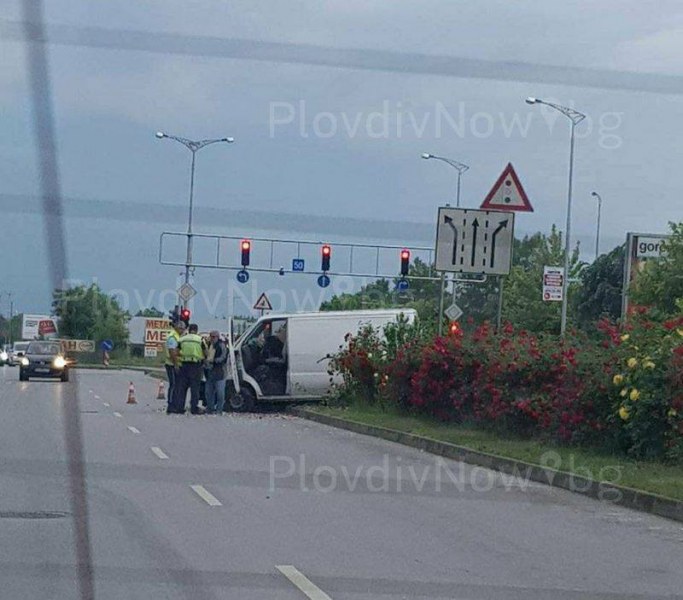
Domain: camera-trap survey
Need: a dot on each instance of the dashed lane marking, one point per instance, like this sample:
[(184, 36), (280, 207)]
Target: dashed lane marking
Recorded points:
[(296, 577), (209, 498)]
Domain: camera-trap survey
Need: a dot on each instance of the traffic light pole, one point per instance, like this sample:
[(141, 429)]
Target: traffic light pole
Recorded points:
[(188, 260)]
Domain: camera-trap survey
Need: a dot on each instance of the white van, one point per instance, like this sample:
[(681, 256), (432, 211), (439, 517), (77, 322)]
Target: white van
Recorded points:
[(285, 357)]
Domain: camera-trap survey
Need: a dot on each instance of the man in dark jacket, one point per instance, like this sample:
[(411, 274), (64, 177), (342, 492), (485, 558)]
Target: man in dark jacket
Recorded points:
[(216, 357)]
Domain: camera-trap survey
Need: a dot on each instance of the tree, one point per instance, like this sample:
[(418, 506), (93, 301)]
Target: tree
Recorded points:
[(660, 285), (86, 312), (14, 327), (152, 313), (600, 292)]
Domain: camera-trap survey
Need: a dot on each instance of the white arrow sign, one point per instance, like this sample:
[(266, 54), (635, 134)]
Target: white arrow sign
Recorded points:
[(474, 241)]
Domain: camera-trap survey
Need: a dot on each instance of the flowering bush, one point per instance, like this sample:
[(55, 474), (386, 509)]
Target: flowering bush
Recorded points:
[(625, 391), (648, 388)]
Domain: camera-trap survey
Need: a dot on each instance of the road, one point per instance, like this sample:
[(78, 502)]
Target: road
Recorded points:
[(272, 507)]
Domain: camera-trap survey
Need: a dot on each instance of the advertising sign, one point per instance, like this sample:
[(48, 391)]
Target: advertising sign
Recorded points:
[(156, 332), (553, 284), (640, 248), (34, 327)]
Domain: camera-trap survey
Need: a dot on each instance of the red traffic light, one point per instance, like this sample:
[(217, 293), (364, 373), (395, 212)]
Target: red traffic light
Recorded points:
[(454, 328), (326, 254), (245, 246), (185, 315), (405, 261)]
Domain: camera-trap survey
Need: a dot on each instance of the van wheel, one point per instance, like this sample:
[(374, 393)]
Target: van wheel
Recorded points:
[(245, 401), (65, 376)]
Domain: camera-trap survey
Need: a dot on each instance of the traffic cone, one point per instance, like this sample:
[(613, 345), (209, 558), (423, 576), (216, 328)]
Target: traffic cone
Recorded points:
[(131, 394), (161, 393)]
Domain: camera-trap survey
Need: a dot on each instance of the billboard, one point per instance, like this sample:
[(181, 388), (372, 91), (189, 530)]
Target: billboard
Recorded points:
[(640, 247), (34, 327), (156, 332)]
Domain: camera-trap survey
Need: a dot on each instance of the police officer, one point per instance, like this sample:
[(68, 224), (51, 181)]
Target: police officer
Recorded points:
[(191, 355), (172, 362)]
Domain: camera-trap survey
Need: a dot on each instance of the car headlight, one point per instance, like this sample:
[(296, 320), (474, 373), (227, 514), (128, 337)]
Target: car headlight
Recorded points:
[(3, 356), (59, 362), (24, 361)]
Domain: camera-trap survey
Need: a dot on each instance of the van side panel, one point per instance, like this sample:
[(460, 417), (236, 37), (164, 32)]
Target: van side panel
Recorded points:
[(311, 338)]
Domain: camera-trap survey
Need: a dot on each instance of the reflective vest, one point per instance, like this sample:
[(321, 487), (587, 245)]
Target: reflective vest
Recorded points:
[(171, 334), (191, 348)]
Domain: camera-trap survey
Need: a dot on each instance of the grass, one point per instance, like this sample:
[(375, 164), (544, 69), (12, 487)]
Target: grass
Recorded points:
[(665, 480)]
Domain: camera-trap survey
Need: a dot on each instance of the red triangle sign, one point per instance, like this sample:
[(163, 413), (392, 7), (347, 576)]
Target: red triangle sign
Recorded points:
[(263, 303), (507, 193)]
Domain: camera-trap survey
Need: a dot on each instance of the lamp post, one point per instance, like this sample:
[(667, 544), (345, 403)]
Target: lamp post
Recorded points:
[(194, 147), (597, 233), (460, 167), (575, 117)]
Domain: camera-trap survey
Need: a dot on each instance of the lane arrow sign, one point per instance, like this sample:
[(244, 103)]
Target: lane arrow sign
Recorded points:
[(475, 230), (502, 225)]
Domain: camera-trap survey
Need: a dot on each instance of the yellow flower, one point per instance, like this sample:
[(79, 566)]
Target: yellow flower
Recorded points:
[(648, 364), (624, 414), (625, 337), (632, 363), (672, 412), (679, 332), (623, 392), (618, 379), (634, 395)]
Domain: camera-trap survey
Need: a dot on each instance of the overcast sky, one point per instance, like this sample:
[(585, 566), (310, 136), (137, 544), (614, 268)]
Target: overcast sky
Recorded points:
[(332, 153)]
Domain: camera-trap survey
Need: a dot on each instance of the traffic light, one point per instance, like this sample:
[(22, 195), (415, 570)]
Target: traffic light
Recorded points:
[(185, 315), (326, 254), (174, 315), (405, 261), (245, 247)]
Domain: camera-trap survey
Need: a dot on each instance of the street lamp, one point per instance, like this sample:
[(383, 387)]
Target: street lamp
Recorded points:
[(460, 167), (597, 233), (575, 117), (194, 147)]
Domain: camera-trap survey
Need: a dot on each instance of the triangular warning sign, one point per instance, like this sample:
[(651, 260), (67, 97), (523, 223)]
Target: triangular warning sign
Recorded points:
[(263, 303), (507, 193)]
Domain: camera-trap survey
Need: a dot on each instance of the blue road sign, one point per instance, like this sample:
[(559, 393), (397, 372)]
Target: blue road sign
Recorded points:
[(107, 345), (402, 285), (242, 276), (323, 281), (298, 265)]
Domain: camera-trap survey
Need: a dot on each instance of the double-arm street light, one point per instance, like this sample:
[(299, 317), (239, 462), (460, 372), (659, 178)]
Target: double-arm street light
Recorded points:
[(597, 233), (575, 117), (194, 147), (460, 167)]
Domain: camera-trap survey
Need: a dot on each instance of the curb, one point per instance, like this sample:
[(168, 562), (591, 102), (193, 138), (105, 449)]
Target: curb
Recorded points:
[(598, 490)]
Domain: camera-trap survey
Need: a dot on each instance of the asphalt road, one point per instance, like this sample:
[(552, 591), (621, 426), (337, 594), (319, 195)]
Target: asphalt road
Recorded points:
[(268, 506)]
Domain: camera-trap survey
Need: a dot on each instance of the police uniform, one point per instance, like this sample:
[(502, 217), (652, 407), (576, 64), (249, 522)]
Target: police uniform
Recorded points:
[(190, 374), (171, 344)]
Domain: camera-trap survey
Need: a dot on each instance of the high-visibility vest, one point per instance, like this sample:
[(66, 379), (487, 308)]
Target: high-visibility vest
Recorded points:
[(191, 348), (171, 334)]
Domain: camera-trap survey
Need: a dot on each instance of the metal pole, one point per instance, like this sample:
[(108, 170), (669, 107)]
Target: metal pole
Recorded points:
[(597, 235), (442, 286), (188, 260), (567, 241), (457, 200), (499, 318), (11, 311)]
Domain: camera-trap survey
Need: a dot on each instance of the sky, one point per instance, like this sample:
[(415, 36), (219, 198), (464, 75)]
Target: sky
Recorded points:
[(331, 104)]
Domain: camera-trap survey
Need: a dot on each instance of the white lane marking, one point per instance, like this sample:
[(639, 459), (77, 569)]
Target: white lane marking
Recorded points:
[(106, 403), (302, 582), (97, 397), (159, 452), (118, 414), (209, 498), (133, 429)]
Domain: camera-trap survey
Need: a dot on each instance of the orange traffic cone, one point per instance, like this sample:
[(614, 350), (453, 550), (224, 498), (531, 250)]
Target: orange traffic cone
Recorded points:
[(131, 394), (161, 393)]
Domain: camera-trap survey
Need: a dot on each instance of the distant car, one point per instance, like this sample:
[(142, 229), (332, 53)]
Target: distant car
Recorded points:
[(44, 359), (17, 353), (4, 357)]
